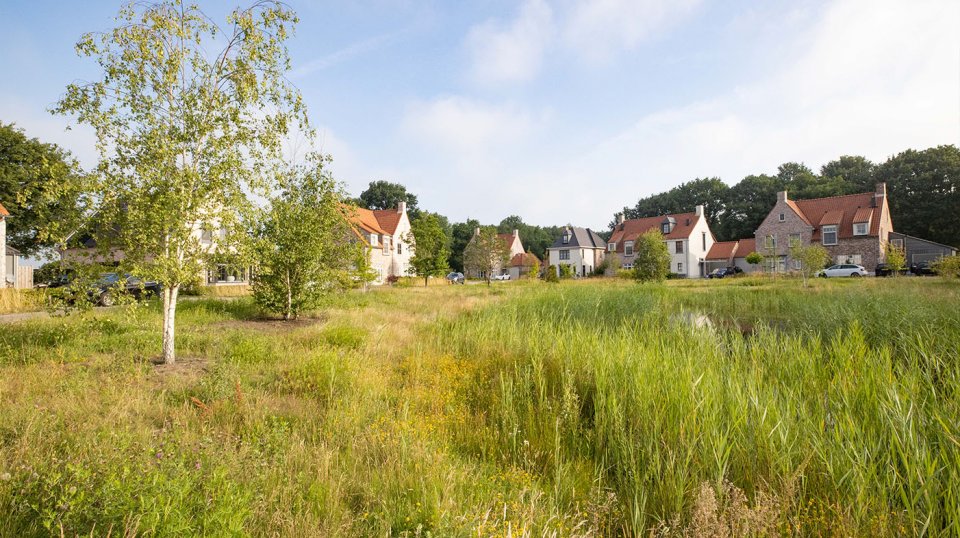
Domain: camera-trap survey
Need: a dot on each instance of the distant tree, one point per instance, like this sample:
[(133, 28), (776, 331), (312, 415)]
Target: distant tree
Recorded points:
[(750, 201), (651, 261), (856, 172), (924, 193), (896, 259), (41, 185), (431, 251), (303, 245), (386, 195), (711, 192), (812, 258), (185, 132), (460, 235), (485, 252)]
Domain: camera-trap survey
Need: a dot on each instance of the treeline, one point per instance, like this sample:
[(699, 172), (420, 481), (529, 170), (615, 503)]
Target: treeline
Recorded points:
[(923, 189)]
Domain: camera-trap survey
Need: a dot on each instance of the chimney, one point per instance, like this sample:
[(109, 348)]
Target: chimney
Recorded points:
[(782, 196), (881, 193), (401, 207), (699, 210), (620, 218), (476, 231), (516, 233)]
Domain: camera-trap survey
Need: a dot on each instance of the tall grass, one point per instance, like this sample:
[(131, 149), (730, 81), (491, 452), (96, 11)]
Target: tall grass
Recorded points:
[(13, 300), (581, 409)]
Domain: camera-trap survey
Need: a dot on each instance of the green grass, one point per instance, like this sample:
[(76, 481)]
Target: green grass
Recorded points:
[(579, 409)]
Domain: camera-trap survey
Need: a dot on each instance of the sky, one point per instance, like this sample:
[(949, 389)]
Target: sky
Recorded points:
[(563, 111)]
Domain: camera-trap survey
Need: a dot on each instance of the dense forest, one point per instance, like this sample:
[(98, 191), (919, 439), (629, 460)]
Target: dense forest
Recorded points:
[(923, 188)]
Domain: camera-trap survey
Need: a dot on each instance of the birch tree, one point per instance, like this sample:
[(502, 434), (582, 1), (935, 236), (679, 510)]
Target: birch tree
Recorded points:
[(189, 117)]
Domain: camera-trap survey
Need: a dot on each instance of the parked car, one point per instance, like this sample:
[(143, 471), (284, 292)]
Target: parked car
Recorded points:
[(105, 289), (455, 278), (500, 277), (721, 272), (923, 269), (844, 269), (884, 270)]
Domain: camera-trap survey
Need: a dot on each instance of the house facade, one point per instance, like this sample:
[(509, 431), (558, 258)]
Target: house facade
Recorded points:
[(731, 254), (580, 248), (687, 235), (387, 237), (918, 250), (852, 228), (3, 243), (514, 248), (521, 264)]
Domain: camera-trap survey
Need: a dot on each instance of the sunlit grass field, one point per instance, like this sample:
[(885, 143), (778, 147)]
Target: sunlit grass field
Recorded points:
[(744, 407)]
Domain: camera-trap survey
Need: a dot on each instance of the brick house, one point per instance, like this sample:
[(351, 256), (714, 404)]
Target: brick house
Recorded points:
[(853, 228), (687, 235)]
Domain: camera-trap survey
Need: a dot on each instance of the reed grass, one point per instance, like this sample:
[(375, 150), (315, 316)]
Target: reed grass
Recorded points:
[(599, 408)]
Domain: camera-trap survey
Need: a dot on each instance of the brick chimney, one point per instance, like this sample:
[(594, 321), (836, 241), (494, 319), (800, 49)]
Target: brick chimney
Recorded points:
[(620, 218), (881, 194), (699, 210), (476, 231), (782, 196), (516, 233), (401, 207)]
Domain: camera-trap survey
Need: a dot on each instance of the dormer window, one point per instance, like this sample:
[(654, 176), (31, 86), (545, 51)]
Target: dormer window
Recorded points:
[(665, 228), (668, 225), (860, 228), (566, 237), (611, 247)]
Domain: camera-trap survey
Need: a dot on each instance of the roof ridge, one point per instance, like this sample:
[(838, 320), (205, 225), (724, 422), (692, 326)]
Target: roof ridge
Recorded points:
[(830, 197)]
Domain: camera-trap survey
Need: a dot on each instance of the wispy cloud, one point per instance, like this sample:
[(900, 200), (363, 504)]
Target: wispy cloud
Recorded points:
[(347, 53), (511, 52)]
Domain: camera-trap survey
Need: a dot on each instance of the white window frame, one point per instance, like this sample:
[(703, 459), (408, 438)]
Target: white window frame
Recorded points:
[(795, 240), (564, 254), (797, 265), (611, 247), (678, 248), (831, 229), (665, 228), (628, 248), (373, 240), (861, 228)]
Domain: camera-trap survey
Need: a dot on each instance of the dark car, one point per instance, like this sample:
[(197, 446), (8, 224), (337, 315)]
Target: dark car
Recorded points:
[(455, 278), (105, 290), (885, 270), (725, 271), (922, 268)]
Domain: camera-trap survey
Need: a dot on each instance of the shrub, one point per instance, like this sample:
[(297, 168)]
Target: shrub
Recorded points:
[(948, 267), (551, 274), (652, 259), (566, 271)]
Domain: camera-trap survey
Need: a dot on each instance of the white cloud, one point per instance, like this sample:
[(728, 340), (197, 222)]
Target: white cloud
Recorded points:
[(511, 52), (598, 28)]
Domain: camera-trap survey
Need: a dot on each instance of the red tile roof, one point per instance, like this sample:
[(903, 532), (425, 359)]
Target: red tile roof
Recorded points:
[(524, 260), (746, 246), (633, 228), (388, 219), (3, 211), (722, 250), (863, 215), (841, 210), (364, 219)]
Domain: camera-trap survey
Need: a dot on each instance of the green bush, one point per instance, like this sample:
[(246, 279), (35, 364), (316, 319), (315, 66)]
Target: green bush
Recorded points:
[(948, 267), (551, 274), (566, 271)]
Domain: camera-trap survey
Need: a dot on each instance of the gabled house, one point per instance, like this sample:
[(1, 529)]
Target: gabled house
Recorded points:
[(687, 235), (852, 228), (521, 264), (514, 247), (386, 233), (731, 254), (3, 244), (580, 248)]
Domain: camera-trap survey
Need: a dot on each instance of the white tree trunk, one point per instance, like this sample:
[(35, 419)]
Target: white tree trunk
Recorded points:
[(169, 317)]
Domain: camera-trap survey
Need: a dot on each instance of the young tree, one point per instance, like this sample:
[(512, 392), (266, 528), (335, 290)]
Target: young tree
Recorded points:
[(651, 258), (184, 135), (485, 252), (534, 270), (812, 259), (896, 259), (754, 258), (431, 249), (304, 244)]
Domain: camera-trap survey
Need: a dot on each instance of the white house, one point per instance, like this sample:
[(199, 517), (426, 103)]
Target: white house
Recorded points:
[(687, 235), (3, 243), (386, 233), (580, 248), (514, 248)]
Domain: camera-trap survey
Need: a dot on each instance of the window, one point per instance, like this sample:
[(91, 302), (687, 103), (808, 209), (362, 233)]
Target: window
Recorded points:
[(566, 237), (794, 240), (386, 246), (829, 235), (783, 217), (679, 247), (797, 265), (860, 228), (704, 240), (628, 248), (679, 268), (897, 243), (564, 254), (665, 228), (206, 237), (399, 248), (373, 240), (770, 242), (611, 247)]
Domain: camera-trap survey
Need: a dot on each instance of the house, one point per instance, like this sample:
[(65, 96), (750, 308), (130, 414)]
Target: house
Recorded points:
[(919, 250), (3, 244), (514, 247), (580, 248), (687, 235), (521, 264), (386, 233), (853, 228), (731, 254)]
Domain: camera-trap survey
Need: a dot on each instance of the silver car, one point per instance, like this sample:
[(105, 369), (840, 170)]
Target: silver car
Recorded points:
[(844, 269)]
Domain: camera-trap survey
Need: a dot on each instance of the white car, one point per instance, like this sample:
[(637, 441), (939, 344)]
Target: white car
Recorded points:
[(844, 269), (500, 277)]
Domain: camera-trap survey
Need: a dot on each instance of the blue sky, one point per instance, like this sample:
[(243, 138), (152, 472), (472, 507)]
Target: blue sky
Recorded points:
[(564, 111)]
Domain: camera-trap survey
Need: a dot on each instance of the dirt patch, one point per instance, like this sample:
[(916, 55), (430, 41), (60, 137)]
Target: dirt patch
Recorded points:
[(269, 325), (186, 370)]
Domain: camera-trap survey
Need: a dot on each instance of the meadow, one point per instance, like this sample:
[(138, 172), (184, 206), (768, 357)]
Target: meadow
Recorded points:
[(745, 407)]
